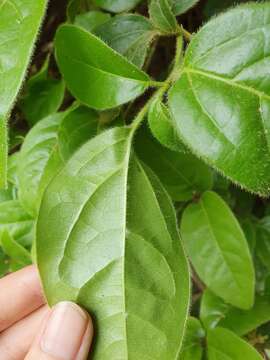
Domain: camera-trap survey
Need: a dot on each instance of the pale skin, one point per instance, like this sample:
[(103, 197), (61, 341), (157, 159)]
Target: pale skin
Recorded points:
[(30, 330)]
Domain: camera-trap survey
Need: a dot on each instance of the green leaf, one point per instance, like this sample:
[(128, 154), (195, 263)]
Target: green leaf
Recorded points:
[(212, 310), (92, 19), (76, 128), (224, 344), (161, 125), (263, 241), (243, 322), (14, 250), (181, 6), (18, 223), (4, 264), (36, 150), (221, 102), (161, 15), (117, 5), (214, 7), (218, 250), (192, 346), (130, 35), (43, 96), (109, 253), (182, 174), (19, 24), (90, 67)]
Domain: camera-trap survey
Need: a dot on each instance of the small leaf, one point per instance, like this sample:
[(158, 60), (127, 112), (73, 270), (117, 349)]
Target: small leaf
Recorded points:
[(14, 250), (19, 24), (161, 125), (106, 238), (92, 19), (221, 102), (224, 344), (263, 241), (212, 310), (90, 67), (218, 250), (181, 6), (130, 35), (117, 5), (162, 16), (181, 174), (192, 347)]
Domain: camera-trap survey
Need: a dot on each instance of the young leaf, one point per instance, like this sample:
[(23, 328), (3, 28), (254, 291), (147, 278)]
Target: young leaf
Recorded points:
[(92, 19), (181, 6), (192, 347), (218, 250), (130, 35), (14, 250), (90, 67), (161, 125), (18, 223), (161, 15), (117, 6), (19, 24), (224, 344), (221, 102), (181, 173), (212, 310), (109, 253), (43, 96), (37, 147)]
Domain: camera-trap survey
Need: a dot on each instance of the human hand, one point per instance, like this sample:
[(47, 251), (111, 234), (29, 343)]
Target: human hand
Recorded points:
[(30, 330)]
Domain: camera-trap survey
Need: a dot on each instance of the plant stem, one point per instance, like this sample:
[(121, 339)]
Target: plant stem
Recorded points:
[(187, 35)]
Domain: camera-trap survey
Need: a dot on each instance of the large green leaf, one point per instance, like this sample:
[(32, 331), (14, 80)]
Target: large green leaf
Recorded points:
[(130, 35), (117, 5), (181, 6), (182, 174), (221, 103), (192, 346), (108, 253), (225, 345), (95, 74), (217, 248), (19, 24), (162, 16)]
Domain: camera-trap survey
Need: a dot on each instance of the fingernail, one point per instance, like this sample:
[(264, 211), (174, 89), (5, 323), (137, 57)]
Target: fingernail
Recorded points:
[(64, 332)]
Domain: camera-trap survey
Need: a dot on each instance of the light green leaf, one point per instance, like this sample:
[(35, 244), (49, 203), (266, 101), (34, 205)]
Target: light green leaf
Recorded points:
[(182, 174), (43, 96), (14, 250), (192, 346), (225, 345), (109, 253), (18, 223), (90, 67), (92, 19), (212, 310), (117, 5), (221, 103), (36, 150), (218, 250), (76, 128), (161, 125), (130, 35), (181, 6), (161, 15), (19, 24)]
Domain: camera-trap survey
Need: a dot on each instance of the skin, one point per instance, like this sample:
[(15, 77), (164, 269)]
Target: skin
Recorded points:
[(30, 330)]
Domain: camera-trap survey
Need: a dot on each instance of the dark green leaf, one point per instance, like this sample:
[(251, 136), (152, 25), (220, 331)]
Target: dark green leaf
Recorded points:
[(181, 6), (263, 241), (162, 16), (109, 253), (224, 344), (192, 347), (90, 20), (14, 250), (181, 173), (117, 5), (19, 24), (130, 35), (218, 250), (90, 67), (221, 102), (214, 7), (161, 125)]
